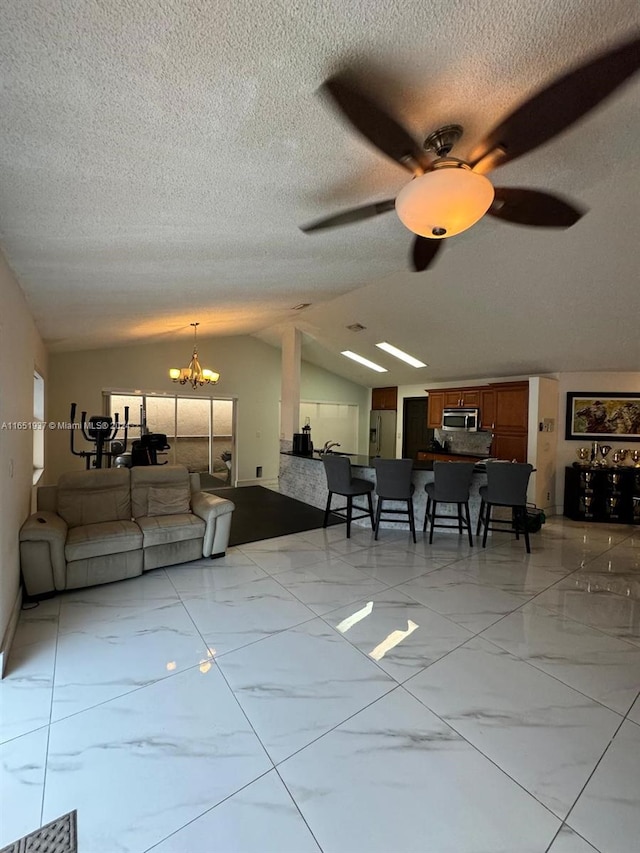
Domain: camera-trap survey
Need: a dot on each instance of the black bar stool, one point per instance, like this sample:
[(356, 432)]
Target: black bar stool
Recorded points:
[(451, 484), (507, 484), (340, 482), (393, 483)]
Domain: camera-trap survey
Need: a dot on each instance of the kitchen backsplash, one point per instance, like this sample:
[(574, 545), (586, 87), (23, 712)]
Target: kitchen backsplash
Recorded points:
[(477, 443)]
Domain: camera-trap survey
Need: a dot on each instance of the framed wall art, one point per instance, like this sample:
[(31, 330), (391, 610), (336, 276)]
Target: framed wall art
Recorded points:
[(615, 417)]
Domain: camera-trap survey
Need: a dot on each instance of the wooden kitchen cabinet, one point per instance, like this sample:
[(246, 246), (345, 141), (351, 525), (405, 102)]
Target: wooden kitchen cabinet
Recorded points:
[(487, 408), (384, 398), (512, 407), (457, 397), (452, 398), (511, 421), (434, 409), (509, 447)]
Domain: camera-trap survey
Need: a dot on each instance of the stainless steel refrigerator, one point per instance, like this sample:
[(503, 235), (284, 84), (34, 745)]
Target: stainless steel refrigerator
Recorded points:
[(382, 434)]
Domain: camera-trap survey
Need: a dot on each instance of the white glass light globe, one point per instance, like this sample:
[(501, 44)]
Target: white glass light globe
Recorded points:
[(444, 202)]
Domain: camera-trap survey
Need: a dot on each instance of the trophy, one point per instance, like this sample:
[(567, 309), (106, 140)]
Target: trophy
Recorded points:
[(586, 480), (612, 508), (587, 506), (635, 458), (614, 479), (604, 452), (619, 456), (584, 455)]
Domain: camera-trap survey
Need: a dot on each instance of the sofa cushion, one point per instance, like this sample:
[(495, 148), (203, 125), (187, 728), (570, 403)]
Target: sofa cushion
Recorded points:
[(104, 538), (164, 529), (168, 500), (146, 477), (92, 497)]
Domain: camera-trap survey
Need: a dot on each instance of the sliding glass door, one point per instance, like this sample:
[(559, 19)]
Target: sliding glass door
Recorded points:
[(199, 430)]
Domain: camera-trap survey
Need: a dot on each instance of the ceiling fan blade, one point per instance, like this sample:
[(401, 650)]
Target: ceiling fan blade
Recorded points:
[(356, 214), (424, 252), (532, 207), (375, 124), (557, 106)]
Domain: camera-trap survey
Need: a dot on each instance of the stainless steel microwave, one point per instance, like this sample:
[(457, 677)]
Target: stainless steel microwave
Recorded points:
[(461, 419)]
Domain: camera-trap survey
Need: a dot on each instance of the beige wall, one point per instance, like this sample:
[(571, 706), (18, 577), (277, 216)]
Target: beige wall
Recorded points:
[(249, 370), (21, 350)]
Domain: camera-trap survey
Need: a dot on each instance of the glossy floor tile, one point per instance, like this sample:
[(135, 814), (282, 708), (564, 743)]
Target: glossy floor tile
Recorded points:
[(313, 694)]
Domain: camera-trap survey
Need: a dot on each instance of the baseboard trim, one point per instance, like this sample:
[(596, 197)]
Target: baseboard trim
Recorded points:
[(9, 634)]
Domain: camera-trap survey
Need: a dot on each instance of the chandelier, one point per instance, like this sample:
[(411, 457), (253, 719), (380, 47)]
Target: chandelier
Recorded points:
[(194, 374)]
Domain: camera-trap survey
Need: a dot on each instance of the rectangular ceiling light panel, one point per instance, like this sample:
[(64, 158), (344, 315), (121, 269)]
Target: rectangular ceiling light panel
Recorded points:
[(370, 364), (403, 356)]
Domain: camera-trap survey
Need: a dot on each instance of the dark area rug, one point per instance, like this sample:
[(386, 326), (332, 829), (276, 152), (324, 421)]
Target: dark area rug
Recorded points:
[(263, 514), (59, 836)]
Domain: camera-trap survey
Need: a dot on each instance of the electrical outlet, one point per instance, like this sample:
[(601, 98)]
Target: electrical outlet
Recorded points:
[(548, 496)]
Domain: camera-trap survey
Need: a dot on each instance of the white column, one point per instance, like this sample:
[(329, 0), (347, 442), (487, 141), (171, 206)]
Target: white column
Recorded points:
[(290, 393)]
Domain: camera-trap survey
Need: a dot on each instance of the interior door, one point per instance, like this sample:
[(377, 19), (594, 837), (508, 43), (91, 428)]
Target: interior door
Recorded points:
[(416, 435)]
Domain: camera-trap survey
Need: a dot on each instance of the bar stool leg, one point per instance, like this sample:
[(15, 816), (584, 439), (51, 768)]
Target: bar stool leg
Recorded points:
[(412, 523), (434, 507), (480, 518), (378, 514), (487, 520), (349, 514), (466, 510), (371, 510), (327, 510), (460, 519), (426, 514)]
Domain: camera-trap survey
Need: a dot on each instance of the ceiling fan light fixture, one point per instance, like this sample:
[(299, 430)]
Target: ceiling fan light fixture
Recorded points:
[(445, 201)]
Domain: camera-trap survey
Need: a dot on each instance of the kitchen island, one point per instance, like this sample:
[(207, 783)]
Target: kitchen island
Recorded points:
[(303, 478)]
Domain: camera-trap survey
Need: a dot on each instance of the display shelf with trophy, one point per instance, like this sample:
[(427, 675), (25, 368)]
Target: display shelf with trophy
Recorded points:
[(595, 490)]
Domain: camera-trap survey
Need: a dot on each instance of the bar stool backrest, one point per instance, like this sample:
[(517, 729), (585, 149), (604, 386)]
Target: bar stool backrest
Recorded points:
[(393, 478), (451, 481), (338, 471), (507, 483)]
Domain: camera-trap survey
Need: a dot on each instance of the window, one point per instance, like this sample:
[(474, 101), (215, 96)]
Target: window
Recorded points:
[(38, 426), (198, 429)]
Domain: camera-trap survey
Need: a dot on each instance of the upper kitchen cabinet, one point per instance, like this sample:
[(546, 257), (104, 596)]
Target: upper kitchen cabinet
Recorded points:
[(384, 398), (434, 409), (487, 408), (459, 397), (512, 407)]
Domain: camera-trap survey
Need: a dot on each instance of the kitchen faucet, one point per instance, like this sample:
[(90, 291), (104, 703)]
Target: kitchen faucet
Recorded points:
[(328, 445)]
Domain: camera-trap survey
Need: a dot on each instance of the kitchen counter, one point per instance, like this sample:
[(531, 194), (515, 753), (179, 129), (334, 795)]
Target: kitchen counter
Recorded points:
[(426, 464), (303, 479)]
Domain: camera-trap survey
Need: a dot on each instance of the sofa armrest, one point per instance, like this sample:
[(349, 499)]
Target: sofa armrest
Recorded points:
[(216, 514), (42, 540)]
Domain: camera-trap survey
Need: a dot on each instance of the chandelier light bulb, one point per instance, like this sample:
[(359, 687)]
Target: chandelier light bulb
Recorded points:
[(195, 375)]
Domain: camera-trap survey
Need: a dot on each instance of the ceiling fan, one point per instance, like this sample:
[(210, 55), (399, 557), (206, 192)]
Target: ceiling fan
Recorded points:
[(448, 195)]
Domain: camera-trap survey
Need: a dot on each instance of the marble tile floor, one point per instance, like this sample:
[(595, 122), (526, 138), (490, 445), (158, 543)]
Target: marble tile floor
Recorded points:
[(312, 694)]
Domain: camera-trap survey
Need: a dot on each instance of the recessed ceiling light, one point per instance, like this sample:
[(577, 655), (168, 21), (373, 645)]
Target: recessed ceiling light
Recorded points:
[(356, 327), (300, 306), (403, 356), (372, 365)]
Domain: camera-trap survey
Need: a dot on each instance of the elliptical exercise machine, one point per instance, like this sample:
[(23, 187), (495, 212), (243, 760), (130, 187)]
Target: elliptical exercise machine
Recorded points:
[(99, 430)]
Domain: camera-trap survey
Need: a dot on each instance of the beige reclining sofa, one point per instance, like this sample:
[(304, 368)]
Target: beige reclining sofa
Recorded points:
[(108, 524)]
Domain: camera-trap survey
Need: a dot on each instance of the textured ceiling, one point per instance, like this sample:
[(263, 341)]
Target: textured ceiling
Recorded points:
[(156, 159)]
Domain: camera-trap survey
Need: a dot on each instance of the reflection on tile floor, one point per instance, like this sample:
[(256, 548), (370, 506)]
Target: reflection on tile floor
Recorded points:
[(312, 694)]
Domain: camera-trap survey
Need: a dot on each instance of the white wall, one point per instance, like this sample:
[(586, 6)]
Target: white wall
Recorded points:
[(21, 351), (542, 448), (318, 385), (249, 370)]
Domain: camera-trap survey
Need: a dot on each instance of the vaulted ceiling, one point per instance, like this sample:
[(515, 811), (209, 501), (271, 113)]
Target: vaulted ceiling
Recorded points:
[(157, 158)]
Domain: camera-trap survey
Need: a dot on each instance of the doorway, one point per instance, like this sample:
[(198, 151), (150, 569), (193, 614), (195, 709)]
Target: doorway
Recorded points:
[(416, 435)]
